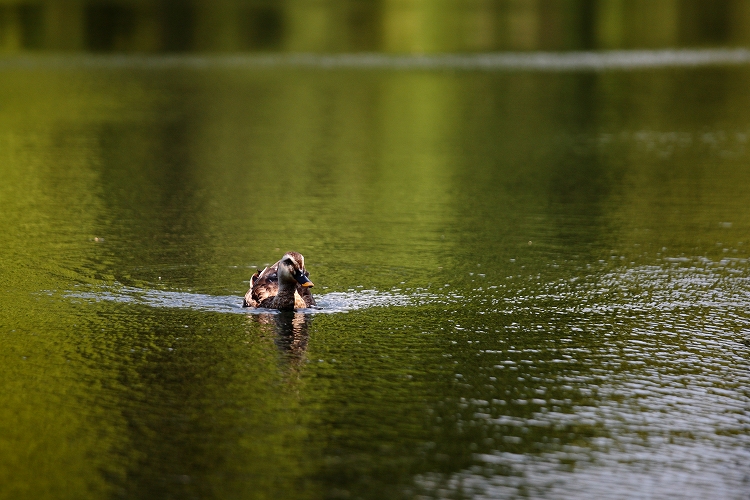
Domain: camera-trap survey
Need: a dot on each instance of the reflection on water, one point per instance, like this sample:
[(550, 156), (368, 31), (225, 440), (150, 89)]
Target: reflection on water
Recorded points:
[(291, 332), (371, 26), (529, 284)]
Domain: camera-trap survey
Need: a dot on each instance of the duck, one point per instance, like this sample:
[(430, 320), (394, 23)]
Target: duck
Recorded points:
[(285, 285)]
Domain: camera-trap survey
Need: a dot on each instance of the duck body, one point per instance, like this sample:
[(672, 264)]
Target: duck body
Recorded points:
[(284, 285)]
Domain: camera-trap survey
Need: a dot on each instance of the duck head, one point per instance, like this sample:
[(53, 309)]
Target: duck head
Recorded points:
[(292, 270)]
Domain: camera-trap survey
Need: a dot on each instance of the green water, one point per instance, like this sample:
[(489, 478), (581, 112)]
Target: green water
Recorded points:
[(533, 284)]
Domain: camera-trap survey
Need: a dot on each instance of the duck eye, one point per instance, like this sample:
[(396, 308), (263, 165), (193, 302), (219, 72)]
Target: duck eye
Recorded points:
[(288, 262)]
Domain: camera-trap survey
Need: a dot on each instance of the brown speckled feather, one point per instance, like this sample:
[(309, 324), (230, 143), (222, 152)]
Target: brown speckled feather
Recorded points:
[(264, 287)]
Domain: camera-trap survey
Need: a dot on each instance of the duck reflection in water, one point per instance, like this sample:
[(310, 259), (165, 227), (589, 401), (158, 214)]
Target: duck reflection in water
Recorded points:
[(291, 331)]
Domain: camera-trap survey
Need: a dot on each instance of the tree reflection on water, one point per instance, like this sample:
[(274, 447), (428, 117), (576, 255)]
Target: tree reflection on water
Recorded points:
[(370, 26)]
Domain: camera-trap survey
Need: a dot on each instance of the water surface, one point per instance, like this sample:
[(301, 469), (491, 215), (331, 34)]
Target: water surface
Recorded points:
[(531, 283)]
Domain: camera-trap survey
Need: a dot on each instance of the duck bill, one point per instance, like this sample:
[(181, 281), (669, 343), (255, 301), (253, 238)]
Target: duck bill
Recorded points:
[(303, 280)]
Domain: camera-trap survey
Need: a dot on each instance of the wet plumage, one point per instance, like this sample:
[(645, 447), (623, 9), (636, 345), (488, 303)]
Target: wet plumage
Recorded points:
[(284, 285)]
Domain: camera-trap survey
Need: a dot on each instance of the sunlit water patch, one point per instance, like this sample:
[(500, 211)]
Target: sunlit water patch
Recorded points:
[(673, 284), (651, 363), (671, 471)]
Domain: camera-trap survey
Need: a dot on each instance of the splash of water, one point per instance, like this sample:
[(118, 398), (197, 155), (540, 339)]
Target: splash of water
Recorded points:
[(334, 302)]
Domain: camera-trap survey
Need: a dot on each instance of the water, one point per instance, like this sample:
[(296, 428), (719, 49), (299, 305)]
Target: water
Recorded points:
[(530, 283)]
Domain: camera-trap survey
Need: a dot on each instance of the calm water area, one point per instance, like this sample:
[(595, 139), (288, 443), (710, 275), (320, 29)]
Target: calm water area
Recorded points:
[(532, 282)]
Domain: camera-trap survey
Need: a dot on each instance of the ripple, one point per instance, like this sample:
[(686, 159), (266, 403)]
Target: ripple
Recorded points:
[(635, 472), (499, 61), (334, 302), (351, 300), (655, 366), (676, 285)]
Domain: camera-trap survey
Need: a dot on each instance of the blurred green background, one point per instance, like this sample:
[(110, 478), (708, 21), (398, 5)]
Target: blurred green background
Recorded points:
[(393, 26)]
